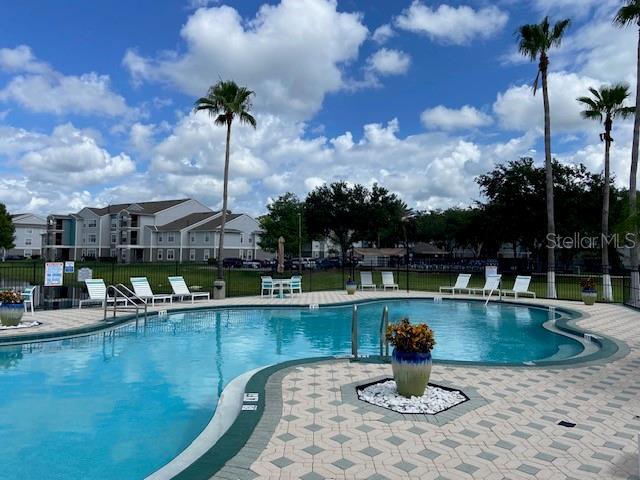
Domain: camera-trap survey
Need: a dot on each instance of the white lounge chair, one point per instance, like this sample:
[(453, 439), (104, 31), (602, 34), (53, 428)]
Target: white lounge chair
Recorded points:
[(28, 298), (295, 284), (491, 284), (266, 285), (462, 283), (388, 281), (181, 290), (520, 287), (98, 292), (366, 281), (143, 290)]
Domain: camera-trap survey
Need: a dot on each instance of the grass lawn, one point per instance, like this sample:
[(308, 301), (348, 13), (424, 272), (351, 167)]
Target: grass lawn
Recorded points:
[(247, 282)]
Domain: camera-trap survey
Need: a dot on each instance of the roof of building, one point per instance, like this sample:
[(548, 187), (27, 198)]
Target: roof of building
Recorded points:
[(423, 248), (147, 207), (15, 215), (186, 221), (380, 252), (214, 223)]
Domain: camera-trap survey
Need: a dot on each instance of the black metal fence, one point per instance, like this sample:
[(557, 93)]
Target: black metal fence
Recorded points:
[(242, 282)]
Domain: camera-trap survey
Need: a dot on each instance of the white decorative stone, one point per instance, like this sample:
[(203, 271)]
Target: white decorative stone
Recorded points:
[(20, 325), (434, 400)]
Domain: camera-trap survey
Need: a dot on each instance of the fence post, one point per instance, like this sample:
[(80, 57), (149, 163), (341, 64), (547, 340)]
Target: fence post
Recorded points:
[(113, 271), (34, 274), (177, 264)]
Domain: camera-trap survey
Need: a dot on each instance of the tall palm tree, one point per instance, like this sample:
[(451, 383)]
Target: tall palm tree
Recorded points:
[(534, 41), (226, 101), (627, 15), (605, 105)]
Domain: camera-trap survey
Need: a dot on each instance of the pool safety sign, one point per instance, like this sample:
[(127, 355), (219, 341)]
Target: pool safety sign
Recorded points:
[(53, 274), (85, 274), (69, 267)]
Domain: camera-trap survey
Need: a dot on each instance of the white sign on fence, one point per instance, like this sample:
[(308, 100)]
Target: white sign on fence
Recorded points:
[(85, 274), (53, 274), (69, 267)]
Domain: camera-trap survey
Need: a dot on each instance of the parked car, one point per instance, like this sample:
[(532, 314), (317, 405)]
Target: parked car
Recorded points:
[(251, 264), (307, 263), (232, 262), (327, 263)]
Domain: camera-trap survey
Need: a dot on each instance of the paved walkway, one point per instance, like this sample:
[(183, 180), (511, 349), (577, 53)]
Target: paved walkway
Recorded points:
[(314, 427)]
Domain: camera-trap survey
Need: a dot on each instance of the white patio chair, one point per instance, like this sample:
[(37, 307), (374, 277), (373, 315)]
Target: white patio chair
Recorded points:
[(295, 284), (181, 290), (462, 283), (366, 281), (143, 290), (28, 298), (266, 285), (491, 284), (520, 287), (97, 293), (388, 281)]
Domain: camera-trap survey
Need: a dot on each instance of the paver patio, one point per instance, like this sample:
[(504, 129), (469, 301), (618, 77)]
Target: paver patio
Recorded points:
[(313, 426)]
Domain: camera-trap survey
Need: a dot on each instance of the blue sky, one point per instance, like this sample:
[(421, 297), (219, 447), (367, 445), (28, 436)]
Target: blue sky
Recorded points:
[(95, 99)]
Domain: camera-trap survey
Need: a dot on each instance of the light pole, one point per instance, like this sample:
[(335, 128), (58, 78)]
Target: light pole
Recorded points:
[(300, 242)]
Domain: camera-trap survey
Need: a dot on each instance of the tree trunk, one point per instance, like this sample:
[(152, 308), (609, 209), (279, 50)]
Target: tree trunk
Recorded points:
[(607, 293), (634, 297), (551, 226), (224, 204)]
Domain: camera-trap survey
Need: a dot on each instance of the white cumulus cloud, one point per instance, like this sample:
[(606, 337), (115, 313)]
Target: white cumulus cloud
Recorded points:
[(444, 118), (389, 62), (452, 25)]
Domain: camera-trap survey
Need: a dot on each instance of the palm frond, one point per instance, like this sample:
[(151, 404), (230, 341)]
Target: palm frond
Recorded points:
[(628, 14), (248, 119), (558, 31), (626, 112)]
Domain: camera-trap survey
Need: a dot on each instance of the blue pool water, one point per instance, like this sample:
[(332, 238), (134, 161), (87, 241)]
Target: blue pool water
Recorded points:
[(123, 404)]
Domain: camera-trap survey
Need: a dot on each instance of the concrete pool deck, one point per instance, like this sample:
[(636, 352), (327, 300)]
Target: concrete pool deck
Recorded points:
[(312, 427)]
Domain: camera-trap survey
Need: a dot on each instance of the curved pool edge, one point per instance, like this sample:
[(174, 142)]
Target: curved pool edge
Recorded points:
[(227, 410)]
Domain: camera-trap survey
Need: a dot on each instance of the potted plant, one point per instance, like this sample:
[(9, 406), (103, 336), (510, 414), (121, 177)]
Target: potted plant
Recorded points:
[(11, 308), (351, 286), (589, 294), (411, 357)]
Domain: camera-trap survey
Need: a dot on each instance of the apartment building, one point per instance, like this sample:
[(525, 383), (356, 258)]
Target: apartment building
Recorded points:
[(27, 238), (170, 230)]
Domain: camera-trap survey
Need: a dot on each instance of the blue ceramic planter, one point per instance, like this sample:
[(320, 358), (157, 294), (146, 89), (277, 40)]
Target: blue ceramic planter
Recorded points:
[(411, 371), (11, 313)]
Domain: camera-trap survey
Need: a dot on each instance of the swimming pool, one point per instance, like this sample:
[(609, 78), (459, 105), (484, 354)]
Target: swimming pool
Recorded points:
[(122, 404)]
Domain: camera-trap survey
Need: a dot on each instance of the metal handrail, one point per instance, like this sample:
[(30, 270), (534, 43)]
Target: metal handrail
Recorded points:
[(384, 323), (128, 300), (354, 332), (491, 292)]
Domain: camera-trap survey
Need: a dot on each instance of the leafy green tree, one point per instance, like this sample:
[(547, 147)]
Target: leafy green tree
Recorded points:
[(535, 41), (337, 211), (282, 219), (7, 230), (384, 214), (605, 105), (629, 14), (226, 101)]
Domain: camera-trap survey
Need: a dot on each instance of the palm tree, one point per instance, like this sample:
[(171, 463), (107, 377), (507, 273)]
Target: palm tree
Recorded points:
[(225, 101), (534, 41), (628, 14), (605, 105)]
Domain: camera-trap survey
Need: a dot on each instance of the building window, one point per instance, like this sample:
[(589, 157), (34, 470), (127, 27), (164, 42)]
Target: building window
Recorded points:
[(193, 238), (241, 254), (250, 240), (171, 237), (27, 241), (206, 255), (241, 238), (159, 254), (192, 254), (92, 223), (249, 255), (92, 238), (159, 238), (113, 238), (28, 253), (171, 254), (91, 252), (29, 230), (206, 238), (114, 223), (112, 252)]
